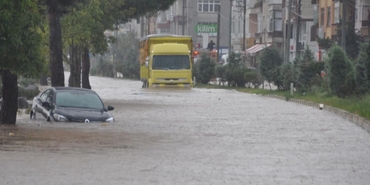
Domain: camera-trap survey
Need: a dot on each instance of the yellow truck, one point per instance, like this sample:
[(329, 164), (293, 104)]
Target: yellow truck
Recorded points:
[(166, 61)]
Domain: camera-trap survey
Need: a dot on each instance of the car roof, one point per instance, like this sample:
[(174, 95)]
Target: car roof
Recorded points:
[(72, 89)]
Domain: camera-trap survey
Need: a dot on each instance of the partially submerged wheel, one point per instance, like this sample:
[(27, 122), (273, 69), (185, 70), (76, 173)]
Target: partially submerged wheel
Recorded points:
[(145, 84), (32, 114)]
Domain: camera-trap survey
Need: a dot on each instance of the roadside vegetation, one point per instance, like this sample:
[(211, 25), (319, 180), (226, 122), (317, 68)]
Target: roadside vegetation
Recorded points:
[(40, 38), (337, 81)]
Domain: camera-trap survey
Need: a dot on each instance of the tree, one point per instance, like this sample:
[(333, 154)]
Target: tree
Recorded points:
[(309, 71), (128, 57), (325, 43), (235, 70), (96, 16), (20, 50), (353, 39), (206, 69), (270, 60), (363, 70), (78, 27), (55, 10), (221, 73), (288, 74), (253, 77), (340, 73)]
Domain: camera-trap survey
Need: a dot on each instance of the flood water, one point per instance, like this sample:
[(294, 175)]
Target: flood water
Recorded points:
[(187, 136)]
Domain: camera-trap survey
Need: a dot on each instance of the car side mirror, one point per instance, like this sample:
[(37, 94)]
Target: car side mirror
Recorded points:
[(110, 108), (45, 104)]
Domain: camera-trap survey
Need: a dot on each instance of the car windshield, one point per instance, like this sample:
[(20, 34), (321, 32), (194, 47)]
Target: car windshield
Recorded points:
[(171, 62), (78, 99)]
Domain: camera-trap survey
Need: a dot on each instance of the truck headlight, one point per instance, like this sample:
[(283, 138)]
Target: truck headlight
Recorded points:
[(60, 118), (111, 119)]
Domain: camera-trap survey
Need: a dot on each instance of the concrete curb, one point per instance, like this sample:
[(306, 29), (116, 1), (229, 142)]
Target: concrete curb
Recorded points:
[(359, 121)]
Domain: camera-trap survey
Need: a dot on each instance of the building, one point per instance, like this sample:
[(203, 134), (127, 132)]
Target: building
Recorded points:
[(198, 18), (303, 27), (362, 18)]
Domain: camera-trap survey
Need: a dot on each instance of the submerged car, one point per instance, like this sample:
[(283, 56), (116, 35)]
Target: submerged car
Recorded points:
[(68, 104)]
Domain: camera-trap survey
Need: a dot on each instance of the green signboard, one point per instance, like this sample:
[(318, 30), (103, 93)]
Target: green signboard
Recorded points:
[(206, 28)]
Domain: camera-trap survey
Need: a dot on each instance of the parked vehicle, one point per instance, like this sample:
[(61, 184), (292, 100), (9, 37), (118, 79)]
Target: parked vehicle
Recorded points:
[(166, 60), (68, 104)]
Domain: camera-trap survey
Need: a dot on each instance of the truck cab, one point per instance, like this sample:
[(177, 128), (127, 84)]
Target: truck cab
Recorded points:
[(167, 63)]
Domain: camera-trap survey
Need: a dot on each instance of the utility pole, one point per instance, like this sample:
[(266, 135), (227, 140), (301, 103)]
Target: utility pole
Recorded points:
[(244, 12), (230, 20), (183, 16), (297, 52), (141, 26), (343, 38), (289, 32), (218, 35)]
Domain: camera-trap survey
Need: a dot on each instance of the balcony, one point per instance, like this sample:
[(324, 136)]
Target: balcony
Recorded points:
[(276, 34), (272, 34)]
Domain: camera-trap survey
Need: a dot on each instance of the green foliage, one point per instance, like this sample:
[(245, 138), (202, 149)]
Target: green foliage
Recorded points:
[(238, 76), (235, 69), (221, 73), (104, 67), (195, 71), (29, 94), (287, 75), (235, 60), (325, 43), (309, 71), (206, 69), (25, 82), (363, 70), (253, 77), (21, 37), (340, 73), (269, 63), (353, 39), (144, 7), (128, 55)]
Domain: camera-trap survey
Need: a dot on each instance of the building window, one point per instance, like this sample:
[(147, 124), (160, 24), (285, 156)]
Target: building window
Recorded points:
[(278, 20), (259, 23), (336, 12), (365, 13), (329, 17), (271, 21), (209, 5), (316, 14)]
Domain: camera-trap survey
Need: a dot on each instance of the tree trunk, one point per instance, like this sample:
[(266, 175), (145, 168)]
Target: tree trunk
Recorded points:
[(86, 69), (9, 107), (75, 75), (44, 80), (56, 60)]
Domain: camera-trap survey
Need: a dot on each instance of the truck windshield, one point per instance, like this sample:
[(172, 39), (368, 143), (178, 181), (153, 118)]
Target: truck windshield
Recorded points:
[(171, 62)]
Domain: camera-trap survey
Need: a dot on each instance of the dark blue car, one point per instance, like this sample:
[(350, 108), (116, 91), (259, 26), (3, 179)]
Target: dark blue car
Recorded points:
[(68, 104)]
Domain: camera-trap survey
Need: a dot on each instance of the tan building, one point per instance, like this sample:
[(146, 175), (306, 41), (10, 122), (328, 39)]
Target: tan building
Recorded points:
[(362, 18)]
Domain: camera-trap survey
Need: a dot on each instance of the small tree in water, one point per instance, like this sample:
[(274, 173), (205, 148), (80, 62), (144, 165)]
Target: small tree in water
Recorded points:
[(206, 69), (269, 63)]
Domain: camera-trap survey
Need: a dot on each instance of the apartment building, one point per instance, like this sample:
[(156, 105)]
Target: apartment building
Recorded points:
[(362, 18), (198, 18), (303, 27)]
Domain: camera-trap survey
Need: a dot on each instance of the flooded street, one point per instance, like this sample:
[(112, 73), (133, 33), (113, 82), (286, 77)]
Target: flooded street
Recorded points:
[(187, 136)]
